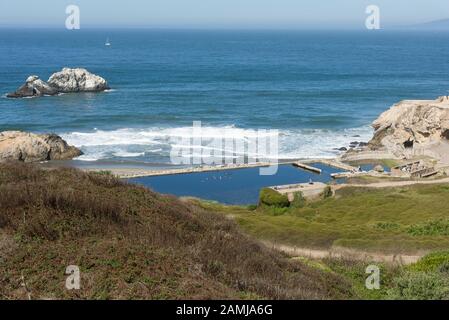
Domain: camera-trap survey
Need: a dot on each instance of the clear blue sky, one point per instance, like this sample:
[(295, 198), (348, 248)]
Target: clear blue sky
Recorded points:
[(221, 13)]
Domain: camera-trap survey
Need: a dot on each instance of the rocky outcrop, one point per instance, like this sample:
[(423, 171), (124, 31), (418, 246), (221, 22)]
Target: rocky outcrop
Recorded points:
[(30, 147), (414, 127), (379, 168), (77, 80), (33, 87), (65, 81)]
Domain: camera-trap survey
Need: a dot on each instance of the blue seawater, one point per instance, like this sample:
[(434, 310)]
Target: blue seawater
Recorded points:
[(320, 89)]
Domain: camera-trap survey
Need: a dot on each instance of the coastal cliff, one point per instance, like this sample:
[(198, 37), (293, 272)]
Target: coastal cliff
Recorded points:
[(414, 128), (29, 147), (65, 81)]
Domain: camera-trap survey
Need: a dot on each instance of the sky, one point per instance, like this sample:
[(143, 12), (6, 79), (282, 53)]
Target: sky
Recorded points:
[(265, 14)]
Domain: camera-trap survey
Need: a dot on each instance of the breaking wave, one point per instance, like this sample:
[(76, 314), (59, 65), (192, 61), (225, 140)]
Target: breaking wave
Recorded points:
[(145, 144)]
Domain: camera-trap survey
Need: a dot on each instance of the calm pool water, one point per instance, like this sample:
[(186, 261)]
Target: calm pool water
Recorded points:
[(239, 187)]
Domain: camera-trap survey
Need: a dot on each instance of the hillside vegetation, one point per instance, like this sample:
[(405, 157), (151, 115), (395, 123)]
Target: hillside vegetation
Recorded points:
[(411, 220), (131, 243)]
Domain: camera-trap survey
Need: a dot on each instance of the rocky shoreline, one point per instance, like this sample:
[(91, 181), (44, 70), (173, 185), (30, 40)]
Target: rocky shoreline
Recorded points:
[(30, 147), (66, 81), (409, 131)]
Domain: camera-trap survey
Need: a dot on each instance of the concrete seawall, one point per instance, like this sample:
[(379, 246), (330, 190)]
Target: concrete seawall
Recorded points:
[(128, 173)]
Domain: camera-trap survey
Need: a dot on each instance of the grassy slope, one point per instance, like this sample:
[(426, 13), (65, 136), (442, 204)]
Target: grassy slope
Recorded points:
[(132, 243), (382, 220), (428, 279)]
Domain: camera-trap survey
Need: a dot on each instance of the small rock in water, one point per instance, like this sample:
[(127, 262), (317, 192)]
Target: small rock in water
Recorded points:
[(363, 144), (33, 87), (379, 168)]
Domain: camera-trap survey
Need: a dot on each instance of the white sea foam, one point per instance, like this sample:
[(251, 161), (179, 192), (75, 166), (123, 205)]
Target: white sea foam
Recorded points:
[(92, 156), (128, 142), (124, 154)]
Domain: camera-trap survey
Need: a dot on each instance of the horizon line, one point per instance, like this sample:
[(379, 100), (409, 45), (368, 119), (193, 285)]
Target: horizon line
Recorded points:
[(217, 28)]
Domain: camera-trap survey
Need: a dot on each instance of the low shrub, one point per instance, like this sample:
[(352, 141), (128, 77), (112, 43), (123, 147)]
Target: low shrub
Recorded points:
[(435, 261), (420, 286), (327, 193), (432, 228), (386, 226), (276, 211), (298, 200), (272, 198)]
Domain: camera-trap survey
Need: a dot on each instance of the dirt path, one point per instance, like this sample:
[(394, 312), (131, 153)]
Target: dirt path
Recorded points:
[(388, 184), (351, 254)]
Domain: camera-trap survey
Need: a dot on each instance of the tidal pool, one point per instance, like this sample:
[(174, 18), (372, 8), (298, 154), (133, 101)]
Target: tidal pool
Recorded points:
[(235, 187)]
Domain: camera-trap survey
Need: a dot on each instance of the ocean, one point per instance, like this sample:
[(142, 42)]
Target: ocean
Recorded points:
[(319, 89)]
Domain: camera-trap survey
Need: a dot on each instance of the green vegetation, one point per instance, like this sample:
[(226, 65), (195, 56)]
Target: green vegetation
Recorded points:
[(355, 273), (428, 279), (420, 286), (390, 163), (435, 261), (298, 200), (408, 220), (131, 243), (327, 193), (438, 227), (387, 225), (272, 198)]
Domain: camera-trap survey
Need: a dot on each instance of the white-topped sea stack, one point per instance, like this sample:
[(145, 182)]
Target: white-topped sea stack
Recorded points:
[(66, 81)]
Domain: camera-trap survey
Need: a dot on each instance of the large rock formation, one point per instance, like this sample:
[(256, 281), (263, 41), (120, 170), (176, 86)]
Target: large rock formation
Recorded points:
[(414, 128), (77, 80), (29, 147), (67, 80)]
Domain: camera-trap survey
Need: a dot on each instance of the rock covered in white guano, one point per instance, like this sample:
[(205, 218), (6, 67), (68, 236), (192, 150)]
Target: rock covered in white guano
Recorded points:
[(65, 81), (77, 80)]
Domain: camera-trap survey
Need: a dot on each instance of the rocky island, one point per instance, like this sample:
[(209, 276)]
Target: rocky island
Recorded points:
[(66, 81), (30, 147)]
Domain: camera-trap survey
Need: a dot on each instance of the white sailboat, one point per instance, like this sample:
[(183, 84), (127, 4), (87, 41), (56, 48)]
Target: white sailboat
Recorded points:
[(107, 43)]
